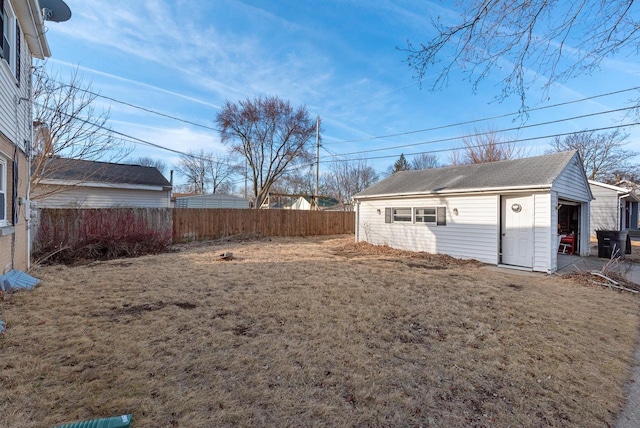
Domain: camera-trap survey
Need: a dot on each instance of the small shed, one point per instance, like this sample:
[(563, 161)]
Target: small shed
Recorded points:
[(509, 213), (77, 183), (213, 200), (614, 208)]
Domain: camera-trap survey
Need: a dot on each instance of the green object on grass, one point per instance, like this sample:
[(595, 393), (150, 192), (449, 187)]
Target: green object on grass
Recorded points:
[(123, 421)]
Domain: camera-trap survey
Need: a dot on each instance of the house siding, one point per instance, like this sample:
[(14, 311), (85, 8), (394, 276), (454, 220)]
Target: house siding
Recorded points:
[(571, 183), (88, 197), (211, 201), (543, 232), (472, 234), (15, 131), (605, 209), (15, 107)]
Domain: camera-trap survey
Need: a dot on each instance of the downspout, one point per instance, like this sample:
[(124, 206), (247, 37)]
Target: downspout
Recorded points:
[(358, 221)]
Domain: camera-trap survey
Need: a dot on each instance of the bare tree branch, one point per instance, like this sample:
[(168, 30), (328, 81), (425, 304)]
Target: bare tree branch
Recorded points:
[(67, 124), (548, 40), (271, 135)]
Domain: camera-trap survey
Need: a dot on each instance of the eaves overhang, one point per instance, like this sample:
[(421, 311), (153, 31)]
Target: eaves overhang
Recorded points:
[(483, 190)]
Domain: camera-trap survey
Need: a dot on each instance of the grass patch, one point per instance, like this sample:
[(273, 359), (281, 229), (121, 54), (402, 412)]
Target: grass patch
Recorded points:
[(316, 331)]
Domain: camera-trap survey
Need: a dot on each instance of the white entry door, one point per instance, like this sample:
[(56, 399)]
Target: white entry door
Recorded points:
[(517, 230)]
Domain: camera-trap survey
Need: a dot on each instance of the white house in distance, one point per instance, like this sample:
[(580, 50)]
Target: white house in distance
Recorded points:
[(23, 39), (73, 183), (614, 208), (212, 200), (501, 213)]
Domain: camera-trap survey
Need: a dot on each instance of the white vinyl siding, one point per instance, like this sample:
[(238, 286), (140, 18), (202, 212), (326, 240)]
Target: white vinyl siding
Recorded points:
[(571, 183), (15, 114), (211, 201), (472, 234), (605, 209), (543, 233), (92, 197)]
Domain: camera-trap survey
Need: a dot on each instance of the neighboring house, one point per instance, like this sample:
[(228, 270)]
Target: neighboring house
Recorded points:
[(614, 208), (73, 183), (214, 200), (23, 39), (501, 213), (323, 204)]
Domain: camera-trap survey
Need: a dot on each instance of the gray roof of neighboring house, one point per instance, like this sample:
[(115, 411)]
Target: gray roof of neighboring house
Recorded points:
[(76, 170), (536, 171)]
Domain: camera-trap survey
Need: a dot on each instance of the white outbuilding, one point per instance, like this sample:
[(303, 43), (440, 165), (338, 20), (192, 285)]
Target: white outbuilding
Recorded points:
[(509, 213)]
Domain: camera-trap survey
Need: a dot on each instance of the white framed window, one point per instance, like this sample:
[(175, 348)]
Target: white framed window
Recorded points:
[(422, 215), (397, 215), (425, 215), (431, 215), (402, 215), (3, 192)]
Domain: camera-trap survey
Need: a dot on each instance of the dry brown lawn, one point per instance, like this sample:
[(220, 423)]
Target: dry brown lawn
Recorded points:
[(313, 332)]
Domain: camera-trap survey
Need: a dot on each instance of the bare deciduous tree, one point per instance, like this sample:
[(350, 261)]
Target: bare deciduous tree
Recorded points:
[(68, 124), (271, 135), (425, 161), (485, 146), (555, 39), (348, 178), (603, 155), (205, 172), (149, 161)]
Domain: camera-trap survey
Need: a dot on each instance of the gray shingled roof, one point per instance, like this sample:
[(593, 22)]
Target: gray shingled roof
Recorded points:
[(102, 172), (534, 172)]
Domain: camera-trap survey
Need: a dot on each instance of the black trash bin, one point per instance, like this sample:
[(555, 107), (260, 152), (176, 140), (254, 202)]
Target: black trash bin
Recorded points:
[(608, 240)]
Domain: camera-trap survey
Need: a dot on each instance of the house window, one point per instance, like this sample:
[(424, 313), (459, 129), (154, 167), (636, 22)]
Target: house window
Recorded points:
[(3, 192), (401, 215), (10, 51), (433, 215), (425, 215)]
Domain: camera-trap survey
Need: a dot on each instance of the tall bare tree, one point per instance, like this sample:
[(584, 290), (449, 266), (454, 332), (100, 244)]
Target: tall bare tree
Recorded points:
[(206, 173), (552, 40), (350, 177), (603, 155), (271, 135), (485, 146), (68, 124)]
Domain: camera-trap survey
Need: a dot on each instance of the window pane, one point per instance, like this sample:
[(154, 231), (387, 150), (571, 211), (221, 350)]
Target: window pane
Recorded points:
[(402, 214), (426, 215)]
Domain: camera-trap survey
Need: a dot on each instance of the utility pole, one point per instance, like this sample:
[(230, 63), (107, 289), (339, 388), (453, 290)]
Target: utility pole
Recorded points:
[(317, 154)]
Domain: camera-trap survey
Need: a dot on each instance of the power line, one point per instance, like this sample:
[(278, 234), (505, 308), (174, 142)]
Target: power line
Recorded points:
[(369, 138), (441, 140), (148, 110), (131, 138), (469, 122), (480, 145)]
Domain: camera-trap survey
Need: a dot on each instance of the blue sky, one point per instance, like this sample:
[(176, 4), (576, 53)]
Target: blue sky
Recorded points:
[(184, 58)]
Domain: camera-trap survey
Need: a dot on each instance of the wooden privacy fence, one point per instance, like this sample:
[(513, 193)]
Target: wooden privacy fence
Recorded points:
[(197, 224), (129, 230)]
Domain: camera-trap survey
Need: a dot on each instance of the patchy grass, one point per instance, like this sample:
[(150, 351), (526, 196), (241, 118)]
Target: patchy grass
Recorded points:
[(313, 332)]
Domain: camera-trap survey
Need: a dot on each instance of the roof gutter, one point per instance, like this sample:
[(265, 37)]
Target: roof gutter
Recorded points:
[(510, 189), (31, 21)]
